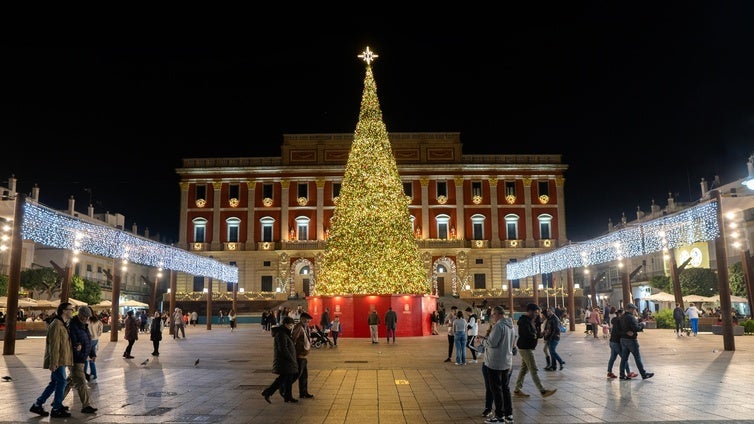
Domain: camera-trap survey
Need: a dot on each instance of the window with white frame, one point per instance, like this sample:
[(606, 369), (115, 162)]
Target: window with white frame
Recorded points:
[(267, 224), (510, 188), (545, 226), (477, 226), (234, 226), (442, 226), (511, 227), (200, 230), (302, 228), (476, 188)]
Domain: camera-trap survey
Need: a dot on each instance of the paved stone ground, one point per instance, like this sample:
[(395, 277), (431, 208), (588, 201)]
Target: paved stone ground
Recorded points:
[(695, 381)]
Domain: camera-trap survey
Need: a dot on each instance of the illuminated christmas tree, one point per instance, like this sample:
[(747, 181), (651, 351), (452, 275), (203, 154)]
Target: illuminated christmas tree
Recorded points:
[(371, 247)]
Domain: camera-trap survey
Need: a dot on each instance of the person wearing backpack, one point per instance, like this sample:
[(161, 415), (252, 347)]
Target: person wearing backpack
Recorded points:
[(615, 335), (679, 316)]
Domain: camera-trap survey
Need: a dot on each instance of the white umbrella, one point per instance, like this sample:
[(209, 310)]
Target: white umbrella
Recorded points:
[(134, 304), (72, 301), (660, 297), (23, 302), (104, 304), (698, 298), (733, 298)]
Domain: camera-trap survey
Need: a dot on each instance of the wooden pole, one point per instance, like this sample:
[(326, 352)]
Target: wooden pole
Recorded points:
[(14, 277), (571, 300), (173, 284), (115, 313), (723, 285)]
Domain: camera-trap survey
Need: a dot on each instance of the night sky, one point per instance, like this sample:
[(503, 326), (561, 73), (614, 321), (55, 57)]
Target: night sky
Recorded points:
[(640, 102)]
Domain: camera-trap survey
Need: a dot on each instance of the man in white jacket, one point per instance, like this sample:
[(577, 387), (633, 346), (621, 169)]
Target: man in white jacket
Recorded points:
[(498, 348)]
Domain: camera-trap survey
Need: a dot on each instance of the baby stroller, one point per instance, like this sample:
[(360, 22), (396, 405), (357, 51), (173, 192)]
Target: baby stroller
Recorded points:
[(319, 338)]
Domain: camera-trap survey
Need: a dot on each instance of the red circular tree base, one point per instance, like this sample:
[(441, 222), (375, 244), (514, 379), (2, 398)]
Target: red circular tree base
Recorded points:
[(413, 310)]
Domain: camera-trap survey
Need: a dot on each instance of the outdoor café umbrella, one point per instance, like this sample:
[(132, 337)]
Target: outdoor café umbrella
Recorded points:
[(133, 304), (733, 299), (23, 302), (103, 304), (698, 298), (660, 297)]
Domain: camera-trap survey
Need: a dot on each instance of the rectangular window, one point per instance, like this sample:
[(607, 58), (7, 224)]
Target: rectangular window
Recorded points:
[(408, 189), (442, 188), (510, 188), (442, 231), (232, 263), (303, 189), (201, 191), (267, 191), (515, 284), (199, 233), (267, 283), (547, 280), (234, 191), (88, 267), (198, 283), (478, 229), (511, 230), (99, 270), (266, 263), (303, 231), (335, 190), (544, 230), (479, 261), (476, 188), (229, 287), (544, 188), (480, 281), (233, 233), (266, 232)]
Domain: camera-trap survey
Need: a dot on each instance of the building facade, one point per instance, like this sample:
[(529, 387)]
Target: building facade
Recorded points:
[(270, 216)]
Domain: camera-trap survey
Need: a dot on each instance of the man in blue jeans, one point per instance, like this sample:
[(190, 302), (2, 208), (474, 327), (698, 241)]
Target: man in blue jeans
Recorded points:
[(58, 356), (629, 343)]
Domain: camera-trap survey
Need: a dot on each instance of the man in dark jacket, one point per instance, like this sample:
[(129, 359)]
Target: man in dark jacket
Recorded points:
[(302, 342), (527, 342), (679, 316), (284, 362), (630, 344), (83, 350)]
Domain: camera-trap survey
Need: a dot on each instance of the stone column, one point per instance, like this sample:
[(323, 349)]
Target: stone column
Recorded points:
[(495, 227), (216, 224), (284, 199), (424, 181), (527, 214), (320, 182), (183, 217), (559, 188), (460, 216), (251, 223)]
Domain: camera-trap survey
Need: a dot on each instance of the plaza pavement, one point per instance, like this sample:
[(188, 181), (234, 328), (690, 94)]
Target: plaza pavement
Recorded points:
[(695, 381)]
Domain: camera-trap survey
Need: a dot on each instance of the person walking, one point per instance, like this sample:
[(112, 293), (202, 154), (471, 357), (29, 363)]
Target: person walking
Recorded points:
[(194, 318), (178, 324), (301, 340), (374, 321), (232, 319), (526, 343), (284, 362), (83, 351), (95, 330), (595, 318), (472, 326), (615, 334), (58, 356), (451, 335), (131, 333), (434, 318), (324, 320), (678, 317), (629, 343), (693, 313), (155, 333), (335, 329), (498, 358), (552, 338), (391, 319), (459, 334)]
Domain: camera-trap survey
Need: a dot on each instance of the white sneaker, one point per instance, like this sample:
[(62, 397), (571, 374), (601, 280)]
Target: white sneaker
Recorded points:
[(473, 361)]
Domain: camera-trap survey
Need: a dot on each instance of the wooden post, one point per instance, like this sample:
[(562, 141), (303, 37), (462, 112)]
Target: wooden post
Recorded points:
[(209, 303), (14, 277), (115, 313), (722, 277), (571, 300), (171, 311), (749, 275)]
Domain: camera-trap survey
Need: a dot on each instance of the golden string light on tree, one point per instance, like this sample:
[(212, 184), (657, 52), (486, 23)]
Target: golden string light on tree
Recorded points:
[(371, 247)]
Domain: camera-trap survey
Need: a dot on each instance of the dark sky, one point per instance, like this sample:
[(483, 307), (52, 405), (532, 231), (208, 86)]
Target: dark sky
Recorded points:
[(640, 102)]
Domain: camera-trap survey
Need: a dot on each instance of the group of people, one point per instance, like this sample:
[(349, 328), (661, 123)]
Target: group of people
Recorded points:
[(391, 320), (69, 346), (291, 346)]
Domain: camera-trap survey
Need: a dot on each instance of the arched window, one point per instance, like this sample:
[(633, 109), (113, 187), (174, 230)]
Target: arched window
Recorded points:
[(511, 226), (200, 230), (267, 223), (545, 226), (442, 226), (234, 225), (302, 228), (477, 226)]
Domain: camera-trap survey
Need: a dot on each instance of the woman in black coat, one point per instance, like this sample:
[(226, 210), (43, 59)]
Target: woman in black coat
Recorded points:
[(284, 362), (155, 333)]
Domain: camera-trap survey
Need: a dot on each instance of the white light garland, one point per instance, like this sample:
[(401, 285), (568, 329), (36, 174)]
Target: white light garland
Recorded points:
[(51, 228), (690, 226)]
